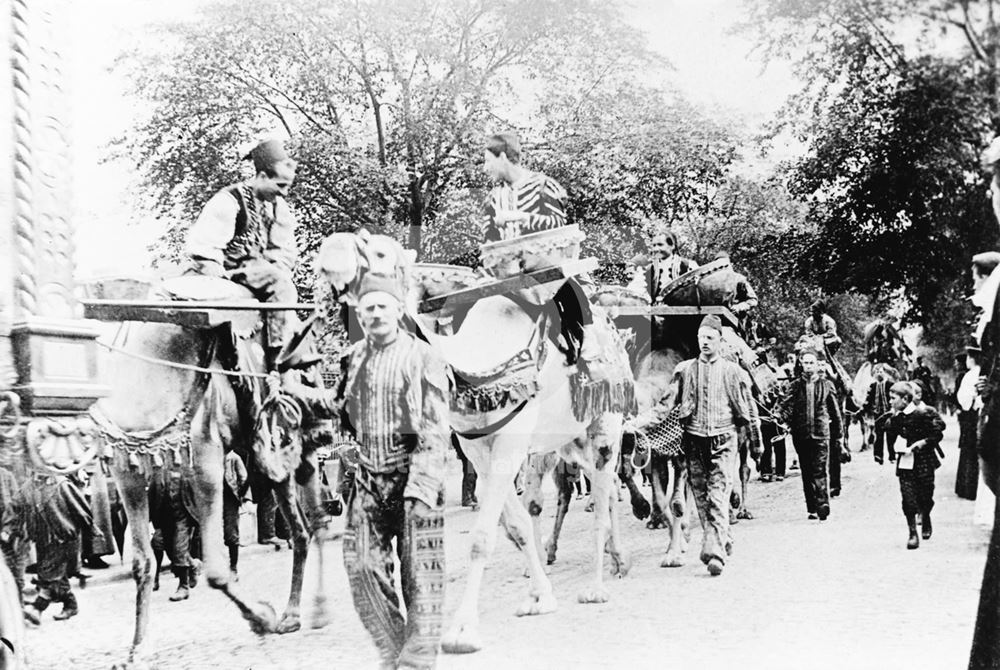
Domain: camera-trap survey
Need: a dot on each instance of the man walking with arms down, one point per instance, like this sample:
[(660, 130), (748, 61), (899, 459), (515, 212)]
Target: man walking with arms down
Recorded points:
[(811, 410), (395, 402), (713, 399)]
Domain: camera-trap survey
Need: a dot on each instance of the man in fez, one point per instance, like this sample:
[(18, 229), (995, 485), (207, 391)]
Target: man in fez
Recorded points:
[(246, 233), (394, 401)]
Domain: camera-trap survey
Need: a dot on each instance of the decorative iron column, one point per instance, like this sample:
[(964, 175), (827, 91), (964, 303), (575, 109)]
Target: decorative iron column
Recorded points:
[(48, 355)]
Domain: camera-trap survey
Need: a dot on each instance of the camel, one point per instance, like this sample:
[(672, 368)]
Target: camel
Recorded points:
[(518, 398), (161, 415)]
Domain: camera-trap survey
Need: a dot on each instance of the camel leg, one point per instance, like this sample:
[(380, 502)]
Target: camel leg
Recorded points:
[(136, 502), (497, 460), (622, 559), (285, 491), (659, 471), (518, 524), (602, 482), (208, 472), (626, 471), (534, 473), (311, 501), (680, 507), (564, 492), (743, 512), (640, 506)]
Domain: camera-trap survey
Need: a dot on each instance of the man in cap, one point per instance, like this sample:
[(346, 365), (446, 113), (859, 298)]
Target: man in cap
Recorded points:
[(394, 399), (713, 399), (525, 202), (246, 233)]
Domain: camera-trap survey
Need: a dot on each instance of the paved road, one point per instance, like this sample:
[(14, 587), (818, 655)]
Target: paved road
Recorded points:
[(844, 593)]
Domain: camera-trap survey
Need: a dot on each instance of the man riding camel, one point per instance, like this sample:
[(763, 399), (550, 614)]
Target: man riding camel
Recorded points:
[(246, 233), (821, 324), (664, 266), (526, 202)]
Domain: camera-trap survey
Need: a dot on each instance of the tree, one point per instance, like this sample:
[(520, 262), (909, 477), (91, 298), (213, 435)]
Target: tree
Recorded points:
[(388, 101), (894, 123)]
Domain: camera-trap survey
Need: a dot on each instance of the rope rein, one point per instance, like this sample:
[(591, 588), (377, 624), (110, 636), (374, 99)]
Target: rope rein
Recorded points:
[(180, 366)]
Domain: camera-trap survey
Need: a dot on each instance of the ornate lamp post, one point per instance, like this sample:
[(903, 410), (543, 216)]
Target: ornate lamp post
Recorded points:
[(48, 355)]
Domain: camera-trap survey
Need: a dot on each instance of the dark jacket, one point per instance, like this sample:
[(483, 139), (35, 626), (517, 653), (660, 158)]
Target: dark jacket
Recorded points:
[(826, 421)]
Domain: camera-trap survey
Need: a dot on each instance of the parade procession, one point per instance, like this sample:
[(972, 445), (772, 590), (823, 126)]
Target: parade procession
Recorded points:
[(490, 334)]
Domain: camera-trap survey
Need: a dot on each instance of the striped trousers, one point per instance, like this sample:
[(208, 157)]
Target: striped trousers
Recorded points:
[(375, 518)]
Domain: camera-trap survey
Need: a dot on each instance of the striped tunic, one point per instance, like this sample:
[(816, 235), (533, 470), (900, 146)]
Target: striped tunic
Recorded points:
[(380, 414), (713, 414), (540, 196)]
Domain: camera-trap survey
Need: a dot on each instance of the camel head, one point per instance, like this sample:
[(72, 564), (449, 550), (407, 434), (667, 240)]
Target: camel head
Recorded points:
[(344, 258)]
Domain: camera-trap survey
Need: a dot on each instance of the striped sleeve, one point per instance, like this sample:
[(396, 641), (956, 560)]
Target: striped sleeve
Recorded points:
[(544, 201)]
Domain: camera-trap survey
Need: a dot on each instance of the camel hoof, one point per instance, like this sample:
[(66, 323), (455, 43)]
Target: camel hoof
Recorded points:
[(735, 500), (550, 552), (656, 522), (641, 509), (672, 561), (289, 623), (596, 594), (462, 639), (622, 565), (536, 605), (677, 507), (320, 613), (744, 514), (263, 619)]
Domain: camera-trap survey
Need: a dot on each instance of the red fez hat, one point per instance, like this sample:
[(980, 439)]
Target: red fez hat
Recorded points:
[(711, 321), (267, 154), (375, 282)]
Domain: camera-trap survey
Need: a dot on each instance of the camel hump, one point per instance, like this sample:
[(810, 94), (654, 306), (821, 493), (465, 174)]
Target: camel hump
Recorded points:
[(711, 284)]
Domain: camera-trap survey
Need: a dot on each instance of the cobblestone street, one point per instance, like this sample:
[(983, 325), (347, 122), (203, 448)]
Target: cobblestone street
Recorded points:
[(797, 593)]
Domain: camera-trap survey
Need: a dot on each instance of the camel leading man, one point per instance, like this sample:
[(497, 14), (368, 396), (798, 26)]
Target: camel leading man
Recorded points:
[(395, 402), (713, 399)]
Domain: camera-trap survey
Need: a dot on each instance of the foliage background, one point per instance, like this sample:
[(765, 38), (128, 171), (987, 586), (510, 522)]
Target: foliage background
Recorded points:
[(387, 105)]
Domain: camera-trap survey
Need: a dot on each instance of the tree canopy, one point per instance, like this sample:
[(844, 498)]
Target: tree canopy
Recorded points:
[(898, 99)]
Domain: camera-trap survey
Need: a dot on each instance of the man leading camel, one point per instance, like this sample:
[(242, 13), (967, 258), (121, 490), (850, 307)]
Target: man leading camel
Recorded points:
[(246, 233), (395, 402), (714, 400), (528, 202)]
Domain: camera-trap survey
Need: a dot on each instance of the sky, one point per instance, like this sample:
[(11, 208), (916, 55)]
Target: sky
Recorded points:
[(710, 66)]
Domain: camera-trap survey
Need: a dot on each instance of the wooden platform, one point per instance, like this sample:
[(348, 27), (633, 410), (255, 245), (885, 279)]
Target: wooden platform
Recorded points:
[(722, 312), (189, 314), (509, 285)]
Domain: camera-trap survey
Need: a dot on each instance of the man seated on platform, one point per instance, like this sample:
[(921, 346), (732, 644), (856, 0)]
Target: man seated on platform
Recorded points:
[(246, 233), (526, 202), (741, 301), (822, 324), (665, 266)]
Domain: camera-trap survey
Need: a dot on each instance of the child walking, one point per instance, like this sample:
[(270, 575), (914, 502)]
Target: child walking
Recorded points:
[(922, 429)]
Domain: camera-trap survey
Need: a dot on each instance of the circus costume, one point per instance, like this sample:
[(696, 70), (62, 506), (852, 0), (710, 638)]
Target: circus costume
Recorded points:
[(54, 511), (713, 399), (250, 238), (394, 400)]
